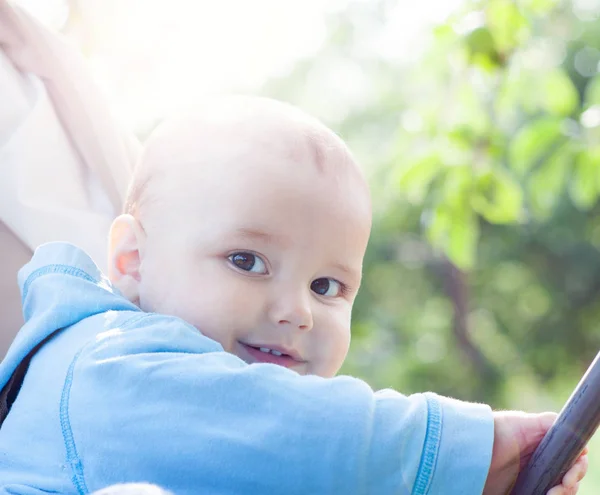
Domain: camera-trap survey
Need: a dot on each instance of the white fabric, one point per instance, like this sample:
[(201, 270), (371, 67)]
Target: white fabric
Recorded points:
[(64, 163)]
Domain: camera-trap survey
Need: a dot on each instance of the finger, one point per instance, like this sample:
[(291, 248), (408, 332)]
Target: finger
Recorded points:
[(573, 490), (557, 490), (532, 428), (562, 490), (576, 473), (584, 452)]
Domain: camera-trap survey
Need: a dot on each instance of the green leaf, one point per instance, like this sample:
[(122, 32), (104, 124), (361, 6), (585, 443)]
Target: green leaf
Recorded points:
[(456, 232), (498, 198), (507, 25), (439, 225), (593, 155), (482, 48), (457, 183), (551, 91), (470, 116), (547, 183), (463, 238), (592, 92), (584, 184), (415, 179), (558, 93), (532, 142), (443, 33), (513, 89), (540, 6)]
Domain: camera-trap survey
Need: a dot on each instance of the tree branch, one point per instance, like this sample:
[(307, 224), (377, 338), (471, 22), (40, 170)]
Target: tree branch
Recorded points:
[(456, 288)]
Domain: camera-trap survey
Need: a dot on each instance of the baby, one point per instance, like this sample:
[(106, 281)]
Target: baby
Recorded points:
[(205, 362), (249, 221)]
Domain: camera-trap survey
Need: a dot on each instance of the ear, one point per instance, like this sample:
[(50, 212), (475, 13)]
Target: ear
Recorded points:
[(125, 245)]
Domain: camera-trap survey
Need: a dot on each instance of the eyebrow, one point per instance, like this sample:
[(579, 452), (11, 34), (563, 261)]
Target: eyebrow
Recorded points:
[(353, 275), (260, 235), (345, 268)]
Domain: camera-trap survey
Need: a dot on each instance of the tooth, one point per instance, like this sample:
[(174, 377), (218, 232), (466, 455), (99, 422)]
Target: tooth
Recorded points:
[(277, 353), (264, 349)]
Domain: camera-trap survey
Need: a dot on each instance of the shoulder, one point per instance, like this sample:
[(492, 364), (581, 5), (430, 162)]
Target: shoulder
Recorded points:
[(142, 334), (146, 362), (128, 348)]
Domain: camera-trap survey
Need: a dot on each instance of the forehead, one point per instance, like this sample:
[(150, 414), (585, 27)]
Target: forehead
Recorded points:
[(271, 171), (246, 190), (236, 132), (259, 188), (241, 156)]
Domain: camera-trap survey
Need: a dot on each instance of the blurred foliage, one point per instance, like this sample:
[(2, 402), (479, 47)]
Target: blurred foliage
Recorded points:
[(482, 279)]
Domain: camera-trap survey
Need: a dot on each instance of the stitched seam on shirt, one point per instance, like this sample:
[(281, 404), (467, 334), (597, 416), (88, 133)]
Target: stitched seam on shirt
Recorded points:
[(62, 269), (134, 319), (431, 447), (73, 459)]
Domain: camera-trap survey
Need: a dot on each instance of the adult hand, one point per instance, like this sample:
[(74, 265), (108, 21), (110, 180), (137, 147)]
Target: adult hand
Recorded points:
[(516, 436)]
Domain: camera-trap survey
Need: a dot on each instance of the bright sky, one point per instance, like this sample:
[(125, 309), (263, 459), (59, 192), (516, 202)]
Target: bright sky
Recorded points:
[(151, 56)]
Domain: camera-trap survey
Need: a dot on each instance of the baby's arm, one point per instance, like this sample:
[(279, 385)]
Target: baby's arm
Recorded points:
[(154, 403)]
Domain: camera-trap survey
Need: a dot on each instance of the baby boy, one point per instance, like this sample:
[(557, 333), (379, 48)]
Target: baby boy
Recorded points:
[(205, 361)]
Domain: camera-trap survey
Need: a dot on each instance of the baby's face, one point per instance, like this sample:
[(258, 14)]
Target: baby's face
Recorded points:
[(262, 256)]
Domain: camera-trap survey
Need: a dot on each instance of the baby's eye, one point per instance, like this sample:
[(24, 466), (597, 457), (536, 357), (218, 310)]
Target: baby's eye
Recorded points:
[(248, 262), (327, 287)]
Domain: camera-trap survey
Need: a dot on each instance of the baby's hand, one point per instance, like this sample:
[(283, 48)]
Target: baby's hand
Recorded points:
[(571, 479), (516, 436)]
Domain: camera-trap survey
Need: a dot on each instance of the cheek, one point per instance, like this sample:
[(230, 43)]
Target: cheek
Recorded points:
[(341, 347), (165, 288), (206, 295), (333, 344)]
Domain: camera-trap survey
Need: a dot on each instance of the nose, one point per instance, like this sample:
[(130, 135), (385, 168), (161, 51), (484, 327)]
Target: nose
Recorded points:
[(292, 309)]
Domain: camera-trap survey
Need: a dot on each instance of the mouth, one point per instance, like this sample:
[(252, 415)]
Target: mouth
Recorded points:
[(263, 353)]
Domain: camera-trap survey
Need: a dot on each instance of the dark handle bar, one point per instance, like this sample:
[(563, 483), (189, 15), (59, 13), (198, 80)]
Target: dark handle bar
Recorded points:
[(567, 437)]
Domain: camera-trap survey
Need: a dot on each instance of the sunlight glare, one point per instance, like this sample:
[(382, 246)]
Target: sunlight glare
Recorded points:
[(151, 58)]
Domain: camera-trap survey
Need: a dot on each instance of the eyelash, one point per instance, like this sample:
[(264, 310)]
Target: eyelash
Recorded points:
[(345, 289), (235, 253)]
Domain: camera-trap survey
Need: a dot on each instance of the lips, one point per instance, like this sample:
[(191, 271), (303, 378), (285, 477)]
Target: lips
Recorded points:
[(264, 353)]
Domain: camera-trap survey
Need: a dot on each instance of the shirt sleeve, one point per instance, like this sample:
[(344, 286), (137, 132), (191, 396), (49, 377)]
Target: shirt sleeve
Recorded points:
[(155, 401)]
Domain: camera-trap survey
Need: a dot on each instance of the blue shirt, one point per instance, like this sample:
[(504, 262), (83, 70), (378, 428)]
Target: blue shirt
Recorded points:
[(120, 395)]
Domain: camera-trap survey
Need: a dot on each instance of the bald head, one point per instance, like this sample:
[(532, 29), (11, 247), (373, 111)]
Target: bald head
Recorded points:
[(227, 131), (249, 220)]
